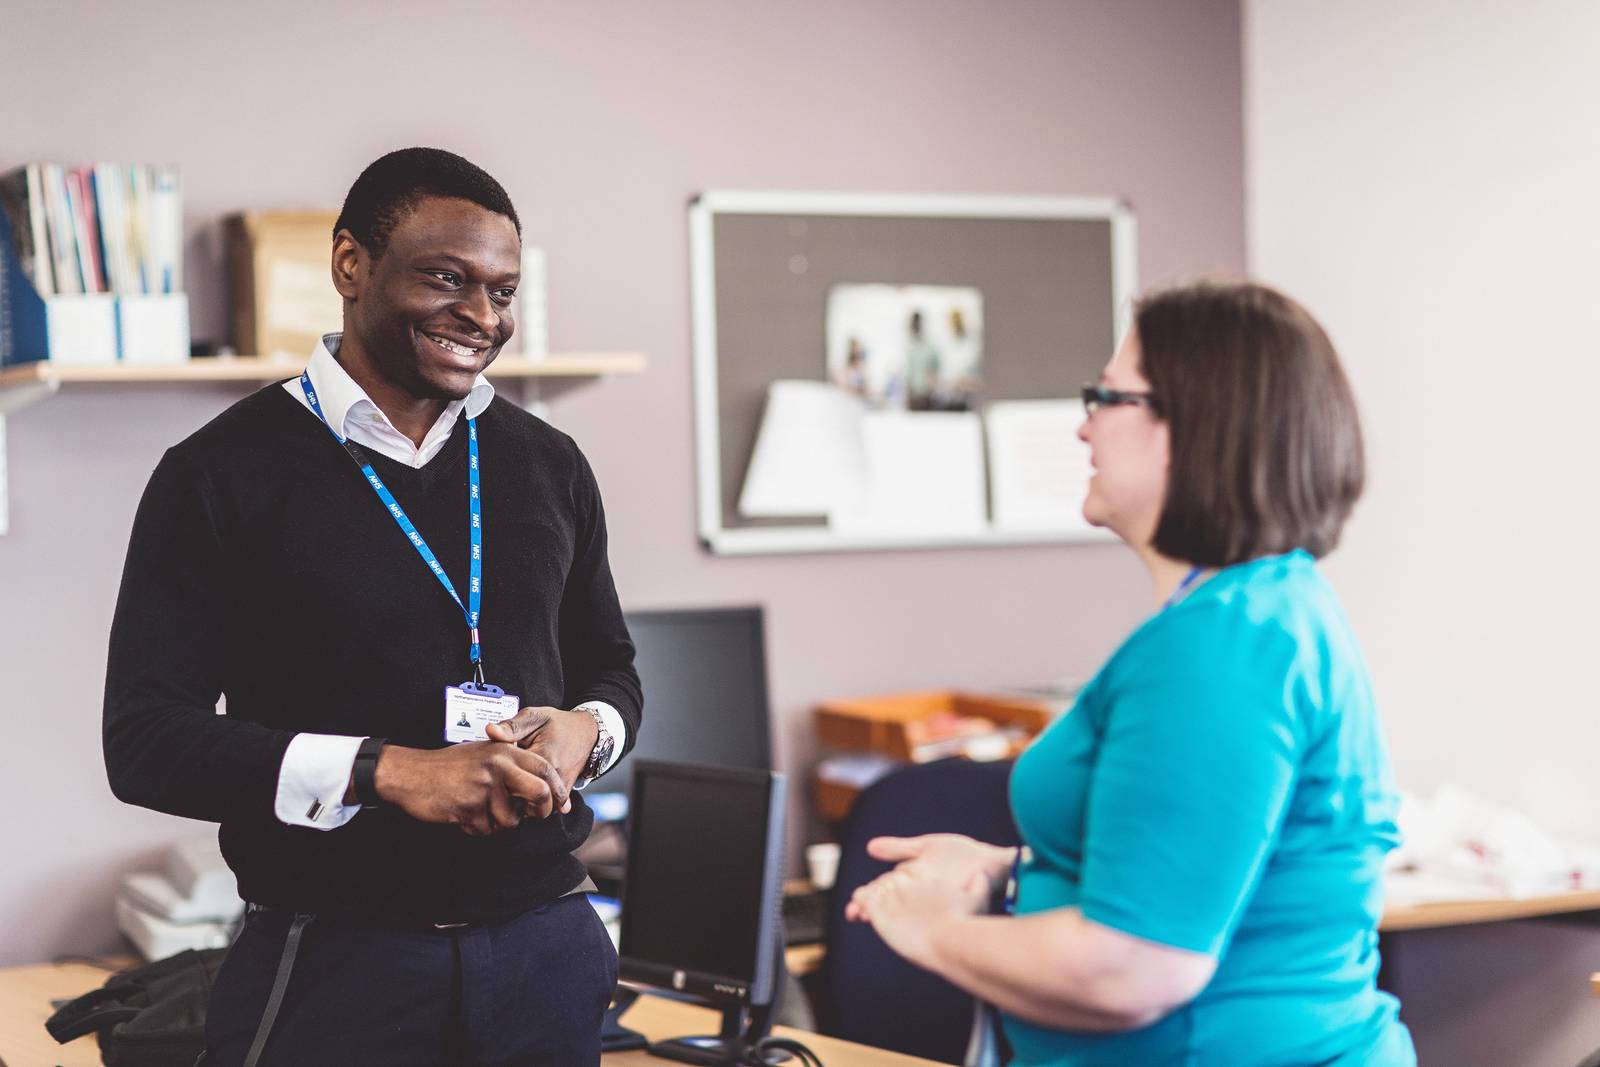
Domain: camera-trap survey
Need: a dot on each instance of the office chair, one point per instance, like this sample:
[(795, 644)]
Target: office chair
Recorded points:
[(868, 994)]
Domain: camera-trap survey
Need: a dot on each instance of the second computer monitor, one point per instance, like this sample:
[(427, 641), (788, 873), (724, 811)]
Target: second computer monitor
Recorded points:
[(700, 908), (704, 674)]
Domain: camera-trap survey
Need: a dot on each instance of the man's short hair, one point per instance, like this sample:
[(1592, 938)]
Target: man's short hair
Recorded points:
[(1266, 443), (394, 184)]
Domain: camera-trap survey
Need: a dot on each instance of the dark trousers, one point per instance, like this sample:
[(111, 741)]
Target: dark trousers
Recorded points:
[(527, 991)]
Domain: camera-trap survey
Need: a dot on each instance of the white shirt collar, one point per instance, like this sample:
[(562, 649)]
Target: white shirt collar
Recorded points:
[(341, 397)]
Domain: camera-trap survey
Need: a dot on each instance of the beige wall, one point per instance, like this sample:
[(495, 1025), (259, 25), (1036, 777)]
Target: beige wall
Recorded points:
[(602, 119), (1423, 175)]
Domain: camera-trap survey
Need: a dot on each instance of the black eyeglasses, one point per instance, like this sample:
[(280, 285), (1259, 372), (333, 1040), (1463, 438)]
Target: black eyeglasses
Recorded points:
[(1096, 397)]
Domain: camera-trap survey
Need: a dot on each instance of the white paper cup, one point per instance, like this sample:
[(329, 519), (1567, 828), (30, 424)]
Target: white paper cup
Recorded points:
[(822, 863)]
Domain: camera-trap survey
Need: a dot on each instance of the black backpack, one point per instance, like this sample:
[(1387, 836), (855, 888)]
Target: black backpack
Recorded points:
[(149, 1016)]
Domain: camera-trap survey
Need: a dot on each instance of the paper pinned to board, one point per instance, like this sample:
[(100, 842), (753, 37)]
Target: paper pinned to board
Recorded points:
[(924, 476), (810, 454), (1038, 469), (822, 453)]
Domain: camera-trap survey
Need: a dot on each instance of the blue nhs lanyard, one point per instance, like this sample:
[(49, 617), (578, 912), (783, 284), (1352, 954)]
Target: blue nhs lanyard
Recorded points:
[(475, 506), (1183, 587)]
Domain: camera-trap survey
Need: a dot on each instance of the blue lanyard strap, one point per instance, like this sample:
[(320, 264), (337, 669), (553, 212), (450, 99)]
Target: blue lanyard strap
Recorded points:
[(1183, 586), (474, 504), (1009, 904)]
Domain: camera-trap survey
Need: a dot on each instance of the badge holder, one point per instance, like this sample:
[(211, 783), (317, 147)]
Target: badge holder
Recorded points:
[(471, 707)]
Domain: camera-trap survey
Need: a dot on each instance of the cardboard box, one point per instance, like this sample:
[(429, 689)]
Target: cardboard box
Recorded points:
[(833, 799), (906, 725), (921, 727), (280, 280)]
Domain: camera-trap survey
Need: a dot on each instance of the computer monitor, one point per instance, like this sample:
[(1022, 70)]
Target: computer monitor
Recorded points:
[(704, 674), (701, 907)]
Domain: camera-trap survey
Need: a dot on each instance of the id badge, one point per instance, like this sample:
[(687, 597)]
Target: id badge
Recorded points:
[(470, 708)]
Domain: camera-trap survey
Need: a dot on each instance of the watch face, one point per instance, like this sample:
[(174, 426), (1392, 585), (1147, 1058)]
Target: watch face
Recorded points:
[(597, 758)]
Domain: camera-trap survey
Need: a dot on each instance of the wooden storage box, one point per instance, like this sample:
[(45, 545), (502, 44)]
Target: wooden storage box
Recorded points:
[(833, 800), (914, 727), (899, 725)]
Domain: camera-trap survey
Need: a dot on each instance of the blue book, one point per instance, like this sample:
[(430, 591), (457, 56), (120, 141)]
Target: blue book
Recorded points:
[(22, 317)]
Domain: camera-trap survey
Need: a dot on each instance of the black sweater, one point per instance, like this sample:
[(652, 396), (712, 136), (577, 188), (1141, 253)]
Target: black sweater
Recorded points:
[(263, 567)]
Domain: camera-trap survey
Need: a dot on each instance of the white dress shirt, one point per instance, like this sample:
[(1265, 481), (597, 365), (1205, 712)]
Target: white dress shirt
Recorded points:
[(316, 767)]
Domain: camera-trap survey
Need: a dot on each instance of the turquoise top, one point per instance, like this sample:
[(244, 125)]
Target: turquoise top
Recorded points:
[(1222, 786)]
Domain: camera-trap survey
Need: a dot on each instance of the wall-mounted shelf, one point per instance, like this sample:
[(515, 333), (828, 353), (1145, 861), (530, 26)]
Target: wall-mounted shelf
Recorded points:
[(28, 383), (52, 375)]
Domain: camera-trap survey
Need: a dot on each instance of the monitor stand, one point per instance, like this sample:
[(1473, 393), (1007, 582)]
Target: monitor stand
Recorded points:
[(735, 1046), (614, 1037)]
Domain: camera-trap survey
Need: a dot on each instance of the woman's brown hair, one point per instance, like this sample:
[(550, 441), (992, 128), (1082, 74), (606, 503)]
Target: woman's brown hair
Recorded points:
[(1265, 439)]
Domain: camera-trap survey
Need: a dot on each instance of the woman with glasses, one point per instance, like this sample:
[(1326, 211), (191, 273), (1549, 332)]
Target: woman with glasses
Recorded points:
[(1204, 833)]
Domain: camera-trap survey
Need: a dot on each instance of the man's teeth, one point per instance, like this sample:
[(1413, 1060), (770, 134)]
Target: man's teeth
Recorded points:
[(451, 346)]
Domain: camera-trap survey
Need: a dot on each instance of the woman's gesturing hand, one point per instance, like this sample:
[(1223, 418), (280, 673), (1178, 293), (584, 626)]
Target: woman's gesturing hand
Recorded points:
[(951, 858), (910, 903), (939, 877)]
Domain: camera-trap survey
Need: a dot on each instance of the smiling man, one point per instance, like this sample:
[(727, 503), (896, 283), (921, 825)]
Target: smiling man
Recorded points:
[(400, 584)]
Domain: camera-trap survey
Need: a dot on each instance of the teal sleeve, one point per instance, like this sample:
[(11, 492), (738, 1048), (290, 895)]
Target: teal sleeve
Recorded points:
[(1196, 763)]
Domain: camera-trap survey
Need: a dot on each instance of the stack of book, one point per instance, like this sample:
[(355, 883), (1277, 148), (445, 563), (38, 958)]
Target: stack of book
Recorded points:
[(109, 228), (110, 232)]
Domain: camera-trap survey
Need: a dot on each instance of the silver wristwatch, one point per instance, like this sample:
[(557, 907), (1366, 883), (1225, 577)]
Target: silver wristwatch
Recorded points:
[(600, 755)]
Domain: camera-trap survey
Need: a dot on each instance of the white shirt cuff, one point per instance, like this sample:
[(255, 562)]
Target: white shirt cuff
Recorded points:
[(614, 726), (312, 781)]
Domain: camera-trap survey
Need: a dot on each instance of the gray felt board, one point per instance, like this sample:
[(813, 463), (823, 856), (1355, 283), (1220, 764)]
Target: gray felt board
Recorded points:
[(1048, 314)]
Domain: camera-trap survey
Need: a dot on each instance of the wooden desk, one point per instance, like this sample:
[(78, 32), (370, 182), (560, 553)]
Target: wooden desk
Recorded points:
[(25, 996), (804, 959), (1398, 920), (657, 1019), (26, 992), (1468, 912)]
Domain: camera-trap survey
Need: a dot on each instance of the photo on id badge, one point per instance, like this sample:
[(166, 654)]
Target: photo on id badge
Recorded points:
[(470, 708)]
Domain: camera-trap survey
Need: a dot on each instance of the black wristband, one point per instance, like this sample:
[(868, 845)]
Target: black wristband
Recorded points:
[(363, 775)]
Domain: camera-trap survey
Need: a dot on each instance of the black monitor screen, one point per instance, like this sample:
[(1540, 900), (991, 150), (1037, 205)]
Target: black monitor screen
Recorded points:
[(704, 675), (703, 878)]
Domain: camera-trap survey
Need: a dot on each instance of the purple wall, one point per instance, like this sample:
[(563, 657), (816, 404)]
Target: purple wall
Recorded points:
[(602, 119)]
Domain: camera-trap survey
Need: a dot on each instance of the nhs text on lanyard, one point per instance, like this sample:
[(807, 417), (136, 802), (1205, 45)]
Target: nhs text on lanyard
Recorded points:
[(473, 705)]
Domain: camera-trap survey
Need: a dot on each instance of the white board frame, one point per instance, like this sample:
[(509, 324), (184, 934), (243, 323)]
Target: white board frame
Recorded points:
[(702, 282)]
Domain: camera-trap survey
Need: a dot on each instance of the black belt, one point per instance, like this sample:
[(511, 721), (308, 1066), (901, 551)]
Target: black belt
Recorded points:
[(388, 922)]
